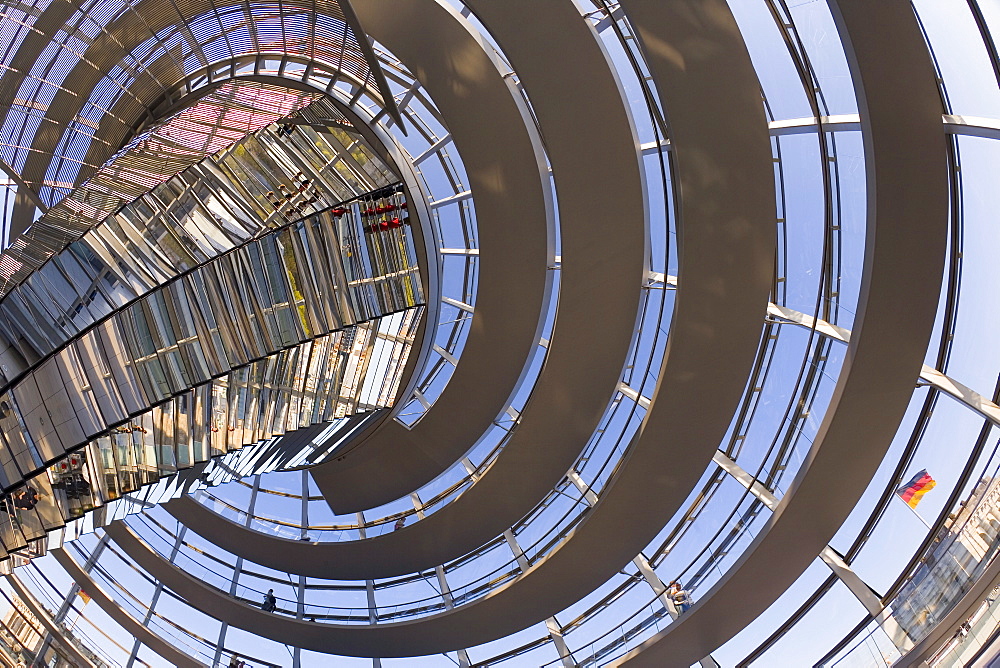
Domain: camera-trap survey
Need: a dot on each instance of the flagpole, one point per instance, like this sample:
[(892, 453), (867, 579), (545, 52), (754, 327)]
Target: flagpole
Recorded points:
[(919, 516), (929, 527), (79, 613)]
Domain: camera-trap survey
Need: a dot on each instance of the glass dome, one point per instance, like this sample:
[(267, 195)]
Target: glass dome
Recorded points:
[(574, 333)]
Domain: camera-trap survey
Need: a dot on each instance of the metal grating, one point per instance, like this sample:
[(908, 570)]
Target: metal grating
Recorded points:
[(215, 122), (79, 79)]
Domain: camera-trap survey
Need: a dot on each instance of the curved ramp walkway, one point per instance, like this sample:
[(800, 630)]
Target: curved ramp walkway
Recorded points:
[(121, 617), (510, 182), (723, 164), (603, 267), (502, 154), (906, 161)]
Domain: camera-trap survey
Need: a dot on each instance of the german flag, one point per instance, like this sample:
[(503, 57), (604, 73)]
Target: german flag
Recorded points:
[(84, 596), (913, 491)]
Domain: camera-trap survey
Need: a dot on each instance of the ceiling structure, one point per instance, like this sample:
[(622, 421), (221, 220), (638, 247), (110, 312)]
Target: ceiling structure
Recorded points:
[(465, 328)]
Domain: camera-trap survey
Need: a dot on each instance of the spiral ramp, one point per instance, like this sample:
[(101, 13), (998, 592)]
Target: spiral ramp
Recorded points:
[(465, 329)]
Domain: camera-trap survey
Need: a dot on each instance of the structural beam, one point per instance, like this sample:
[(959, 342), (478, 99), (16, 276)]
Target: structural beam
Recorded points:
[(502, 152), (43, 616), (121, 617), (727, 217), (603, 269), (514, 284), (906, 162)]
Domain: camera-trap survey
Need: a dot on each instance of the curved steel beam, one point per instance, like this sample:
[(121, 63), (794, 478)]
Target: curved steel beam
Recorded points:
[(603, 266), (727, 211), (505, 167), (514, 285), (496, 138), (906, 163), (44, 617), (140, 631)]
